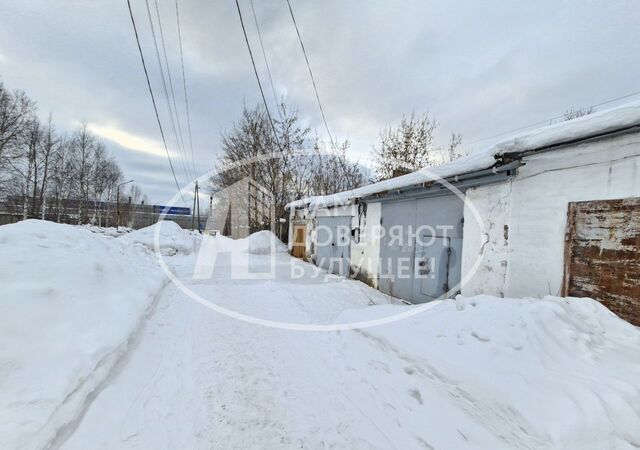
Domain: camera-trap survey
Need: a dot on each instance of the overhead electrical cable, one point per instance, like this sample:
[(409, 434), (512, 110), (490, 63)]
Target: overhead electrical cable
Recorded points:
[(184, 86), (313, 81), (255, 71), (264, 56), (173, 96), (164, 87), (153, 100)]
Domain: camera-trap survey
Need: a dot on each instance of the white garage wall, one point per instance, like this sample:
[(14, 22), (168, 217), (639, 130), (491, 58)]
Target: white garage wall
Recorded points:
[(365, 255), (536, 214), (485, 242)]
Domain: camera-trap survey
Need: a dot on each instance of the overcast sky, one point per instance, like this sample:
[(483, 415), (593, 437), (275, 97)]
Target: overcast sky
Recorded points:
[(479, 67)]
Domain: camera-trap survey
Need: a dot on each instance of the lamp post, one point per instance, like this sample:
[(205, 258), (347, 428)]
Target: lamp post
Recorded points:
[(118, 203)]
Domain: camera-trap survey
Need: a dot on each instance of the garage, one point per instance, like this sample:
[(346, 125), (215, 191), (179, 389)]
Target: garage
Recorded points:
[(421, 248)]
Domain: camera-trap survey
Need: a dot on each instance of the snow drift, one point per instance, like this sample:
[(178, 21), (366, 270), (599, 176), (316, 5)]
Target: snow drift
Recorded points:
[(172, 238), (259, 243), (486, 372), (264, 243), (70, 301), (107, 231)]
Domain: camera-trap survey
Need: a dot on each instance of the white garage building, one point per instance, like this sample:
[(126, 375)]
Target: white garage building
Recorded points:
[(569, 222), (551, 211)]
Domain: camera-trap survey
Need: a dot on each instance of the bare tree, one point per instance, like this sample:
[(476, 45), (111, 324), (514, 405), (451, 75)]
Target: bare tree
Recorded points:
[(251, 149), (83, 149), (279, 162), (16, 113), (407, 147), (574, 113), (331, 171), (38, 166), (50, 144), (454, 143), (61, 180)]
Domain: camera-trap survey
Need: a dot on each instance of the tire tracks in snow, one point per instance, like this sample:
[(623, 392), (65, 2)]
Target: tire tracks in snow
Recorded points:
[(102, 375)]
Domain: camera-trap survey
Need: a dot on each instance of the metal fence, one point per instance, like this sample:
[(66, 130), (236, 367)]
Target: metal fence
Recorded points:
[(105, 214)]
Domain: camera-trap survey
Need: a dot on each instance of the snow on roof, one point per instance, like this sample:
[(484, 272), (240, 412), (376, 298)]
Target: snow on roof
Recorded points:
[(598, 123), (474, 162), (603, 122)]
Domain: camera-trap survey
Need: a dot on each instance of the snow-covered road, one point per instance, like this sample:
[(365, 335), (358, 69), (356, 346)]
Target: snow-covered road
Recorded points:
[(197, 379), (96, 353)]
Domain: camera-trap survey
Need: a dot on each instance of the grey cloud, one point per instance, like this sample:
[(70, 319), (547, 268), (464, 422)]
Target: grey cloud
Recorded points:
[(479, 67)]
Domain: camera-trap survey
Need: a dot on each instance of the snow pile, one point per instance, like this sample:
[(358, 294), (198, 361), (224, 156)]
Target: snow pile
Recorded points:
[(70, 301), (259, 243), (172, 238), (107, 231), (264, 243), (485, 372)]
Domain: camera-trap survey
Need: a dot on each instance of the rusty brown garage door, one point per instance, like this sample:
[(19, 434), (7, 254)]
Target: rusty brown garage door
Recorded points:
[(602, 254)]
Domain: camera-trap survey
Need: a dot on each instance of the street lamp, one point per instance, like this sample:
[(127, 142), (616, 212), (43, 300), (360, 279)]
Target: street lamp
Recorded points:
[(118, 202)]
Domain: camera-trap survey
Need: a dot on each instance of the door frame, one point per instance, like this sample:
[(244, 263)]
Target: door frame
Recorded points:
[(299, 248)]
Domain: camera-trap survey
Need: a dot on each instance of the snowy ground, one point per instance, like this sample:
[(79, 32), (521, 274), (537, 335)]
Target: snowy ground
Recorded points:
[(468, 373)]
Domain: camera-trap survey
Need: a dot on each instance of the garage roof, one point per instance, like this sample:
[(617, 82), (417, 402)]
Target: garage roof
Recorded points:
[(593, 125)]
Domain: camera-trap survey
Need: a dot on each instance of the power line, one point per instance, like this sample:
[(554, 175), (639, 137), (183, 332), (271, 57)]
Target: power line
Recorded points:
[(184, 86), (542, 122), (173, 96), (264, 55), (164, 87), (255, 70), (313, 81), (153, 100)]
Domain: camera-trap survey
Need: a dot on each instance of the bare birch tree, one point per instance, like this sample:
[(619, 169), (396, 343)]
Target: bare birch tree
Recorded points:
[(407, 147)]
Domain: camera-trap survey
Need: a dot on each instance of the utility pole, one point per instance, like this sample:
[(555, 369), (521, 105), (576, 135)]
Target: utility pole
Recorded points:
[(193, 211), (198, 204), (118, 203)]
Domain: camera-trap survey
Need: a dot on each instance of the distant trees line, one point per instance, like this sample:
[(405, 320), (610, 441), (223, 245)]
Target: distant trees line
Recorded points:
[(43, 168)]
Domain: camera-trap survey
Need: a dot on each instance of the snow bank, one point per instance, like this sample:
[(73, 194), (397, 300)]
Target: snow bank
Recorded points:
[(264, 243), (70, 301), (173, 239), (258, 243), (107, 231), (526, 373)]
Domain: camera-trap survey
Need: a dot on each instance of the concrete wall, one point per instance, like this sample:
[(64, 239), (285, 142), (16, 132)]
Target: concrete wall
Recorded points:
[(485, 243), (520, 242)]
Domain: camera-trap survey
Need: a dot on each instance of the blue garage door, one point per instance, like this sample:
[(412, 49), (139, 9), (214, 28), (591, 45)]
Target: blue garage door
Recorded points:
[(421, 248), (333, 241)]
